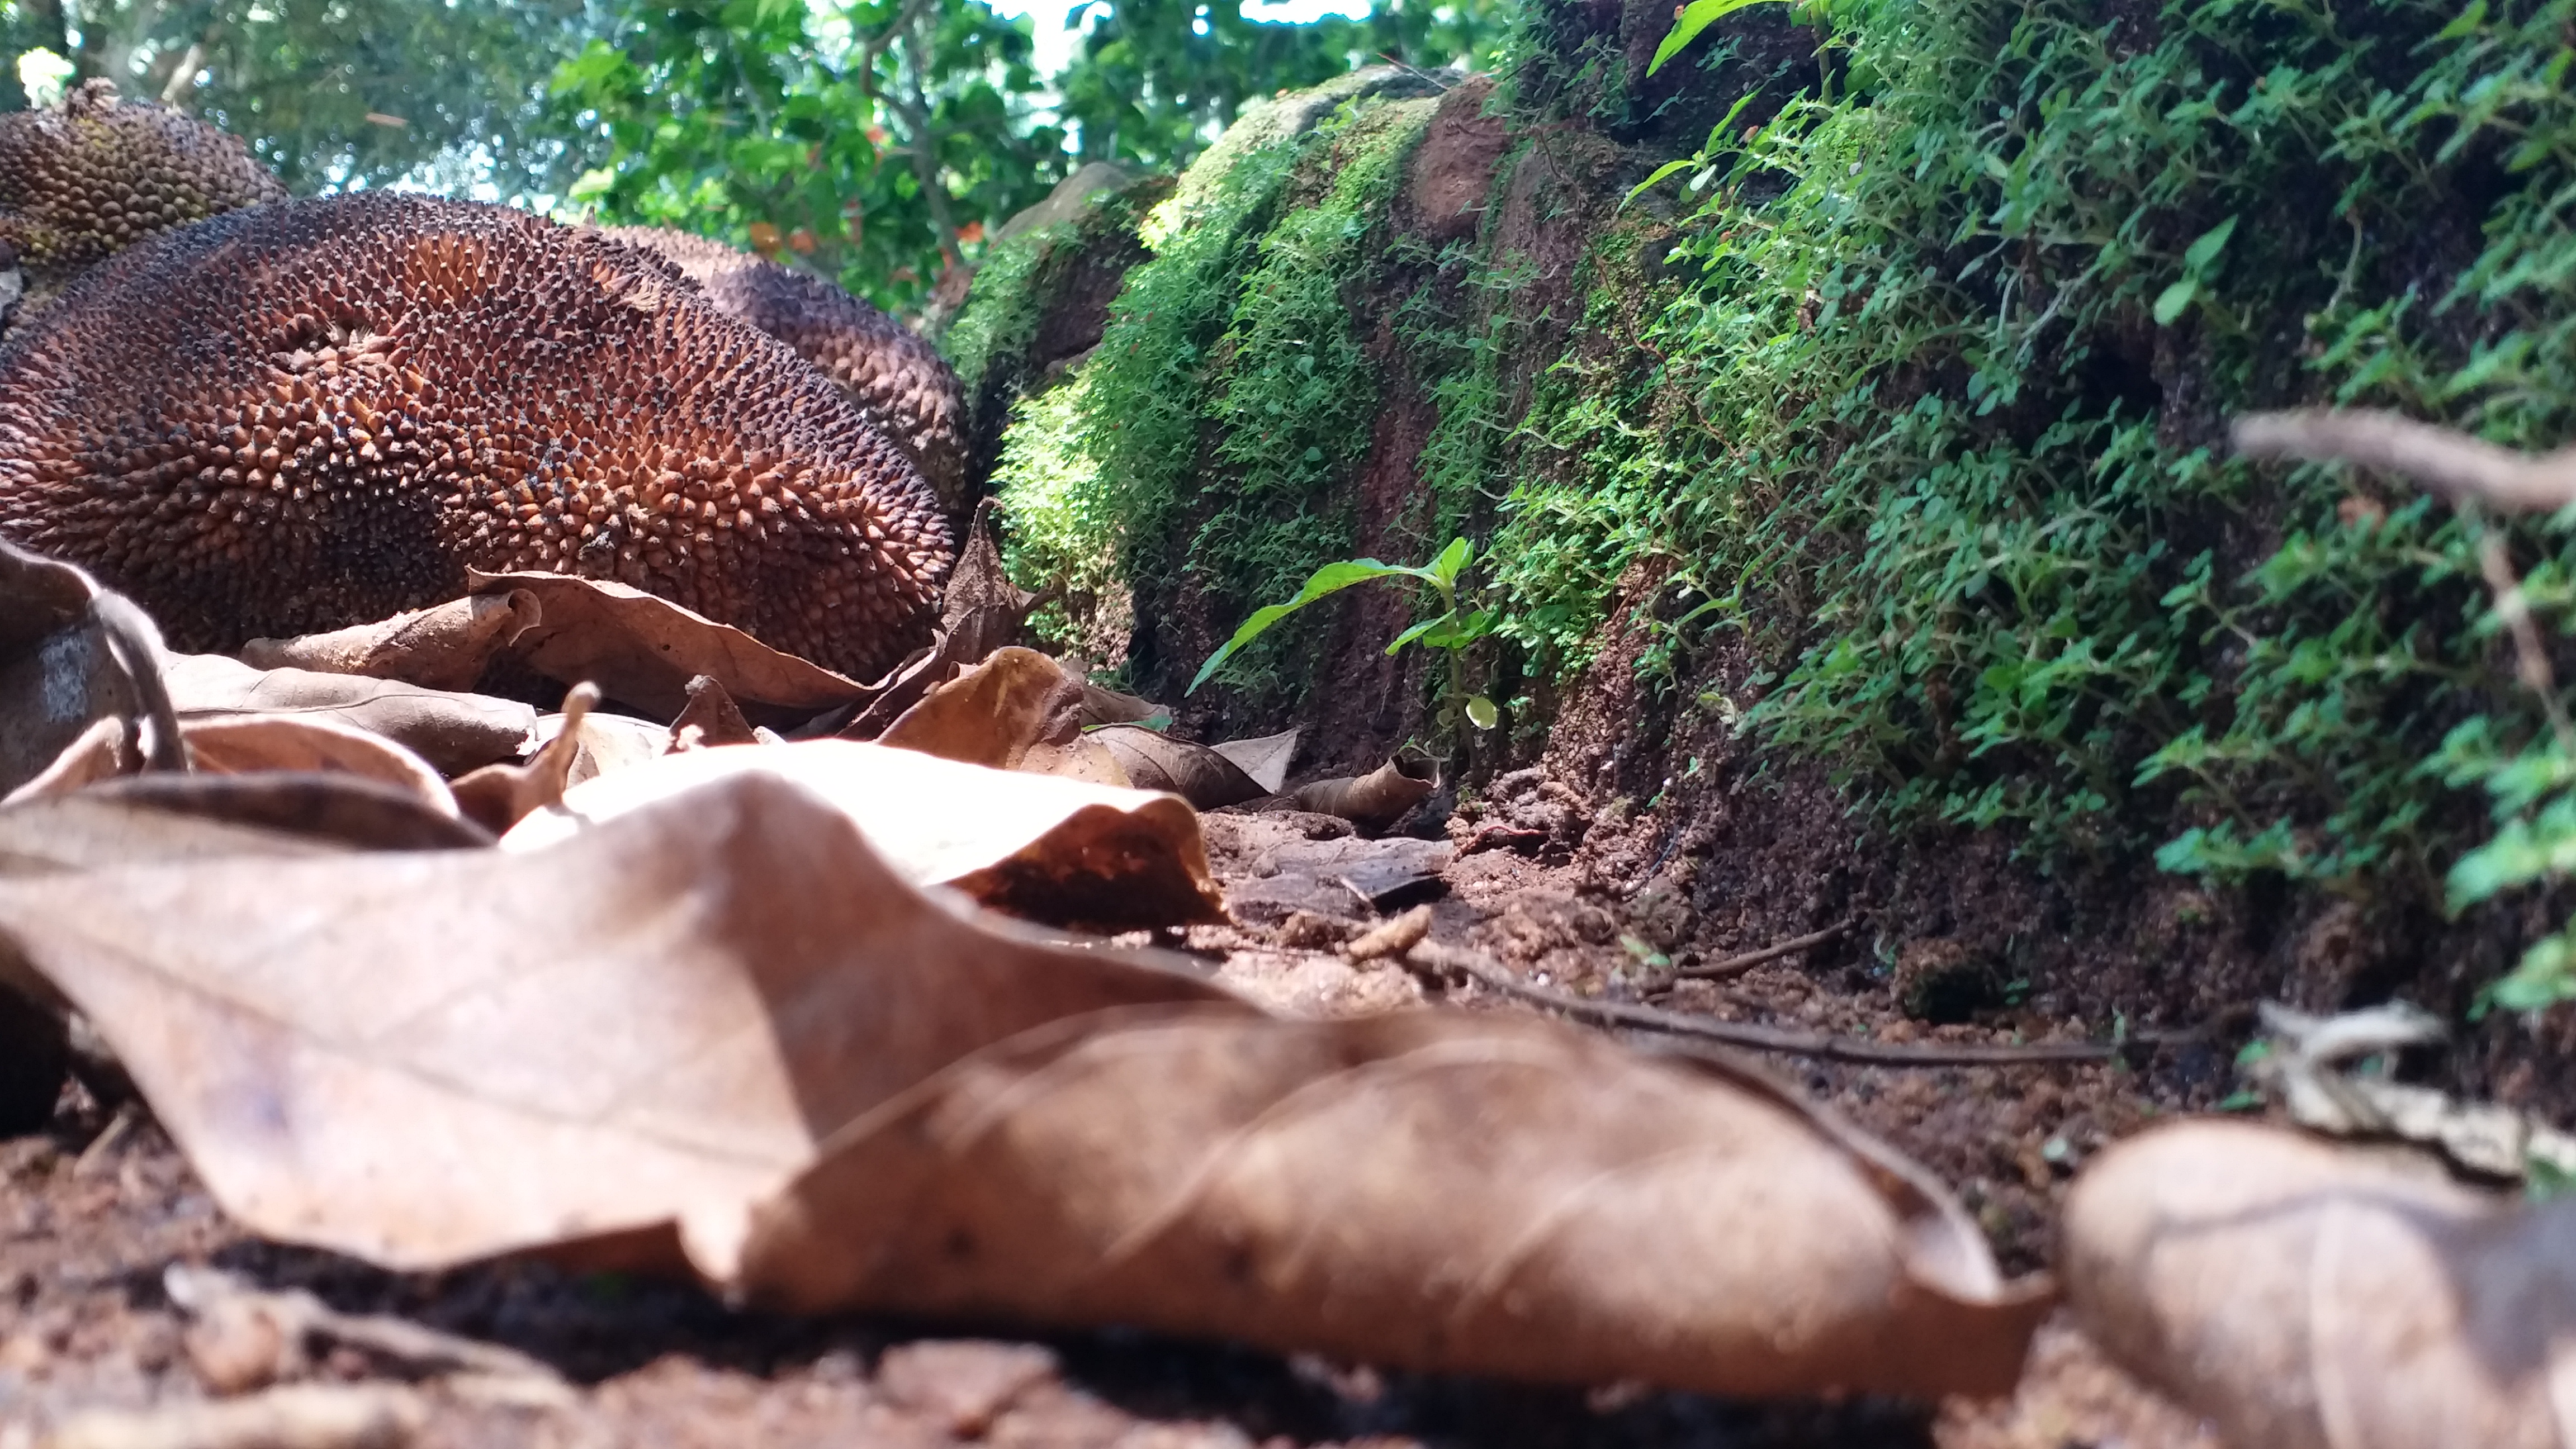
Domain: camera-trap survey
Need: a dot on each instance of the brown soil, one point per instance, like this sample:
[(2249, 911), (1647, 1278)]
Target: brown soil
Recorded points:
[(90, 1217)]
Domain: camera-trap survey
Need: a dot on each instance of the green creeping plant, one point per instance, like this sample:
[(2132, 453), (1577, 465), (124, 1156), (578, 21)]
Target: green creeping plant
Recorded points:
[(1449, 629)]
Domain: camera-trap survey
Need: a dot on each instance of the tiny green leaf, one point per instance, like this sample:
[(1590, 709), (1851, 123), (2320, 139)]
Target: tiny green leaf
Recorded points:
[(1697, 16), (2172, 300), (2197, 257), (1444, 569), (1660, 172), (1481, 712), (1416, 632)]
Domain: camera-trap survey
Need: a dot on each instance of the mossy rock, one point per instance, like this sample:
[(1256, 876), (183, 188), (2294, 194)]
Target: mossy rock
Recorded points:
[(1042, 295)]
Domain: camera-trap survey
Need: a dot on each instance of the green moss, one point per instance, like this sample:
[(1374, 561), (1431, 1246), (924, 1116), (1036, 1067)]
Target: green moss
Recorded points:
[(1231, 398), (1002, 313), (1063, 526), (1938, 419)]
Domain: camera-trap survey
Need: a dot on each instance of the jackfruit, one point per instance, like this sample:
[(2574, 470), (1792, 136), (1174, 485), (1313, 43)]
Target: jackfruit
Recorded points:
[(97, 175), (899, 379), (317, 413)]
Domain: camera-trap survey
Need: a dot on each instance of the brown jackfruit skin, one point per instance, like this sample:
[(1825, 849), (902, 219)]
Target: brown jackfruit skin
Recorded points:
[(319, 413), (97, 175), (902, 382)]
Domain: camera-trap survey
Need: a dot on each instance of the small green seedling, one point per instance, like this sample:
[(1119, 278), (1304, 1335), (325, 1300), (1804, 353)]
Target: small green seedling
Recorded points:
[(1690, 20), (1450, 629)]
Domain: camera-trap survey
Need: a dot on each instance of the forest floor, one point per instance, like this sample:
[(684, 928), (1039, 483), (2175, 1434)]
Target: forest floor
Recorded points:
[(95, 1210)]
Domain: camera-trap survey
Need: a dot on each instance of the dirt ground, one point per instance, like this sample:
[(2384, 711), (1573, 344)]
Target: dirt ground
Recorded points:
[(97, 1208)]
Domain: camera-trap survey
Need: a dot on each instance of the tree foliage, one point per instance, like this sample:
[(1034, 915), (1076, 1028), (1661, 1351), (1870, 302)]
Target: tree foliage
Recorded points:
[(1156, 80), (332, 93), (872, 143)]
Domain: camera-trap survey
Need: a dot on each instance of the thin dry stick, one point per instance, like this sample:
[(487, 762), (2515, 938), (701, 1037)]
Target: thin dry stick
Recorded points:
[(1754, 1037), (2448, 462), (2530, 658), (1742, 962)]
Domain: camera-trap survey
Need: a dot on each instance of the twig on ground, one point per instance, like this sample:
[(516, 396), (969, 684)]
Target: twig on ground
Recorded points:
[(219, 1299), (1752, 1036), (1742, 962)]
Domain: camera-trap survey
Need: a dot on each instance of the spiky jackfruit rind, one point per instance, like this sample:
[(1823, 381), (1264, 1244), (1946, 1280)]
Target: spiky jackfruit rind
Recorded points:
[(96, 175), (318, 413), (907, 388)]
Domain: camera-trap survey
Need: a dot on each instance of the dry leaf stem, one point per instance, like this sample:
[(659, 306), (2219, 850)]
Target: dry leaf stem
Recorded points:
[(1753, 1036)]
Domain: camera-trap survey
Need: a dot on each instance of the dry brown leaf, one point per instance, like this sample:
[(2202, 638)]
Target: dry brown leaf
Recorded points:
[(1044, 847), (659, 1017), (1443, 1191), (1107, 706), (241, 744), (642, 650), (983, 611), (443, 647), (104, 751), (609, 742), (1265, 758), (167, 817), (72, 655), (1375, 800), (711, 718), (982, 605), (1156, 761), (454, 732), (1017, 710), (2308, 1295)]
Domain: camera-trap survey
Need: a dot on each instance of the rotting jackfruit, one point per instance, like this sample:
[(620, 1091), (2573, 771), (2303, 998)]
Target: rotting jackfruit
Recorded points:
[(96, 175), (318, 413), (901, 381)]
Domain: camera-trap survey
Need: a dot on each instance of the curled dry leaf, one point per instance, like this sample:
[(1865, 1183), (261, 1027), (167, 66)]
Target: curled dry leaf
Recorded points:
[(241, 744), (1047, 848), (1375, 800), (1155, 761), (72, 655), (643, 651), (1443, 1191), (454, 732), (443, 647), (1017, 710), (2306, 1295), (497, 797), (659, 1017)]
